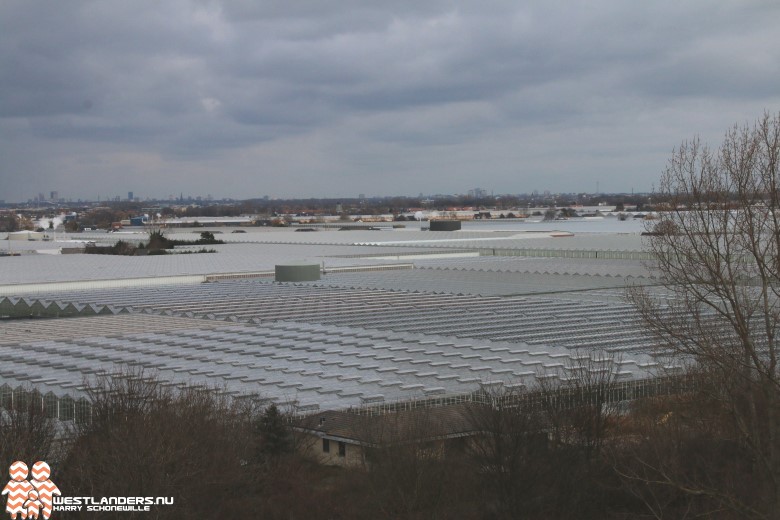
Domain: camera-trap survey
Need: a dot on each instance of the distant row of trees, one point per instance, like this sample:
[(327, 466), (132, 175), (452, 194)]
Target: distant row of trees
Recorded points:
[(158, 244), (10, 222), (104, 216)]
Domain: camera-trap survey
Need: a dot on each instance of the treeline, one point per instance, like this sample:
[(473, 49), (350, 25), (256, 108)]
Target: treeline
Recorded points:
[(104, 216), (677, 456), (158, 244)]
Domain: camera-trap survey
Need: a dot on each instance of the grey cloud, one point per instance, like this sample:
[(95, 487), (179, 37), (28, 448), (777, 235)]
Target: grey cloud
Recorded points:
[(199, 82)]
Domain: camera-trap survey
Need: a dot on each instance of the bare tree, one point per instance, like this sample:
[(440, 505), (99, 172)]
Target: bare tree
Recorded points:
[(26, 433), (578, 399), (414, 468), (717, 253), (147, 439), (510, 452), (679, 456)]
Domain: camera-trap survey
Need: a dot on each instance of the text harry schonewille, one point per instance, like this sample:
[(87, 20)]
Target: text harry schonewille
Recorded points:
[(129, 504)]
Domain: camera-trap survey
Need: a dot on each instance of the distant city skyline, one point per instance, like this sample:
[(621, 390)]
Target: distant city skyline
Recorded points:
[(476, 193), (310, 99)]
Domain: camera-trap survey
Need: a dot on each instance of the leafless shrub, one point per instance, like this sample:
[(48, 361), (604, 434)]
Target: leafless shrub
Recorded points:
[(26, 433), (414, 462), (146, 439)]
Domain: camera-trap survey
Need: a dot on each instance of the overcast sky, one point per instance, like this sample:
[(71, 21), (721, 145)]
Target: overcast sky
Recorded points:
[(309, 98)]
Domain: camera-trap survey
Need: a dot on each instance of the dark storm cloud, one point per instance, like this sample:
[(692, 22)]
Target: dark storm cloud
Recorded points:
[(273, 95)]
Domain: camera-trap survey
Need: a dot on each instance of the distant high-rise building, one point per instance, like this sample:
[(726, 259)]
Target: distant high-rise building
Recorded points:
[(130, 195), (54, 195)]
